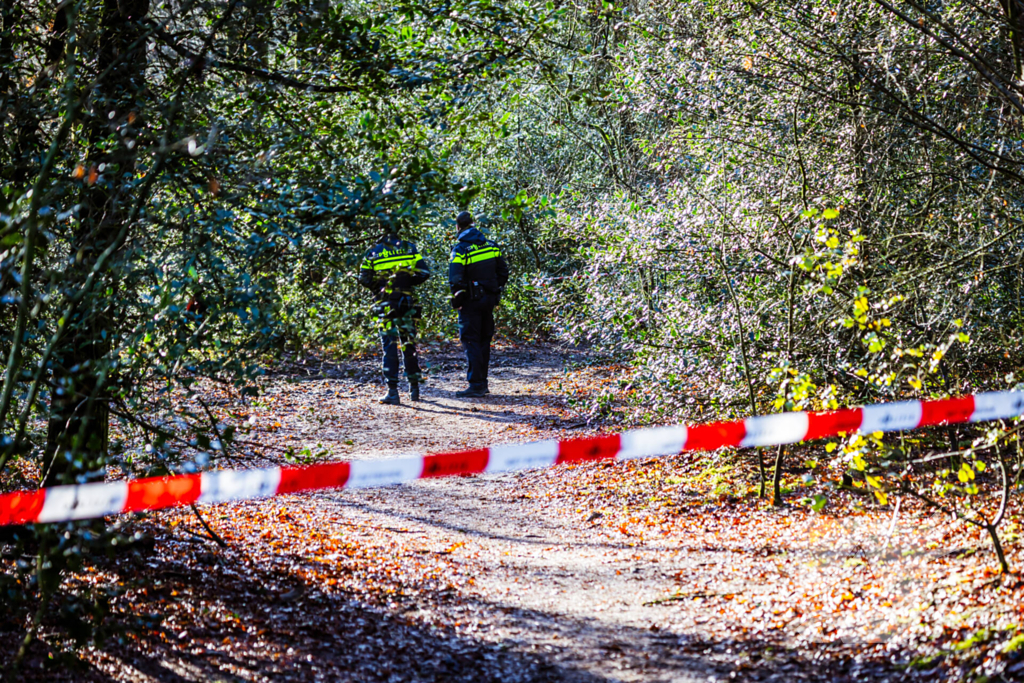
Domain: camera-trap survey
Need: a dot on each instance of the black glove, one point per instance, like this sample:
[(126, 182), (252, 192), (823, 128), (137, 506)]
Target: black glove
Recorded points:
[(459, 299)]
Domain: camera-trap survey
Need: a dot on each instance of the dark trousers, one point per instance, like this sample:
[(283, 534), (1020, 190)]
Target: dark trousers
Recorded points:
[(395, 334), (476, 329)]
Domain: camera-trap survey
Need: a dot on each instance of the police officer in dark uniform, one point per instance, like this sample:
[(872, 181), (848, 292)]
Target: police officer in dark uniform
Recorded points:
[(477, 274), (391, 269)]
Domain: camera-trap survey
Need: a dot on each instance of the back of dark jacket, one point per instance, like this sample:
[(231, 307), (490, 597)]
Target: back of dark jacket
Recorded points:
[(477, 265), (392, 267)]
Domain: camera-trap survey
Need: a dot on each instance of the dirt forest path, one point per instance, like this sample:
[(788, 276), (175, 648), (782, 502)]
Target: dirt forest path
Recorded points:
[(570, 574), (337, 407)]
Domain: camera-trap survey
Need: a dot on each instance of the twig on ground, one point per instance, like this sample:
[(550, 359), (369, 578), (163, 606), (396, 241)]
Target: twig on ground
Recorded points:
[(682, 596), (892, 524), (209, 529)]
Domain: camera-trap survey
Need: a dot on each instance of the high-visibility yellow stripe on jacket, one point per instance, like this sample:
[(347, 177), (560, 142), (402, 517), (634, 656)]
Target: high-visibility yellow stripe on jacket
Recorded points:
[(392, 262), (476, 254)]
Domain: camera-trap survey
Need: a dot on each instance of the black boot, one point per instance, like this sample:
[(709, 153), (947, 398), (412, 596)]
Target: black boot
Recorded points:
[(414, 391), (472, 392), (391, 398)]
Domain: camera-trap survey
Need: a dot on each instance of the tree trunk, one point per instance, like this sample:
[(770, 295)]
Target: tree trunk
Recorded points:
[(1013, 10), (77, 434)]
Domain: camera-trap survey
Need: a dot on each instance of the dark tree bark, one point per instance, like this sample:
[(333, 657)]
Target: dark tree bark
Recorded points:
[(1014, 12), (77, 434)]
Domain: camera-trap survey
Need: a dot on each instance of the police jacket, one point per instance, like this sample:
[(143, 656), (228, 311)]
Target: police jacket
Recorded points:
[(477, 268), (391, 268)]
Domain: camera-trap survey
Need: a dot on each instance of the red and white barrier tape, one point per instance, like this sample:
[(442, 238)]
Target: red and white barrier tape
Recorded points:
[(86, 501)]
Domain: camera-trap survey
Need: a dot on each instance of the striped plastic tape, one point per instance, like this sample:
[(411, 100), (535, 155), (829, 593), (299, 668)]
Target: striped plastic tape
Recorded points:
[(87, 501)]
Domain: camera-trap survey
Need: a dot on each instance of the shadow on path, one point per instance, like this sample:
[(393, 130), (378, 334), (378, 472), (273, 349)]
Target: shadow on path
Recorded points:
[(270, 623)]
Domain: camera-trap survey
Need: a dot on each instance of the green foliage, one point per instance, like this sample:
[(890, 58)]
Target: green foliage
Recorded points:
[(767, 193), (187, 191), (761, 208)]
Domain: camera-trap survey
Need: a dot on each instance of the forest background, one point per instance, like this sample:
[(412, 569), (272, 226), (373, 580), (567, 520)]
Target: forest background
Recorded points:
[(755, 207)]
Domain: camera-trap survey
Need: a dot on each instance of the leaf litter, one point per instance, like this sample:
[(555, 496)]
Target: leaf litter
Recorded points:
[(663, 569)]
